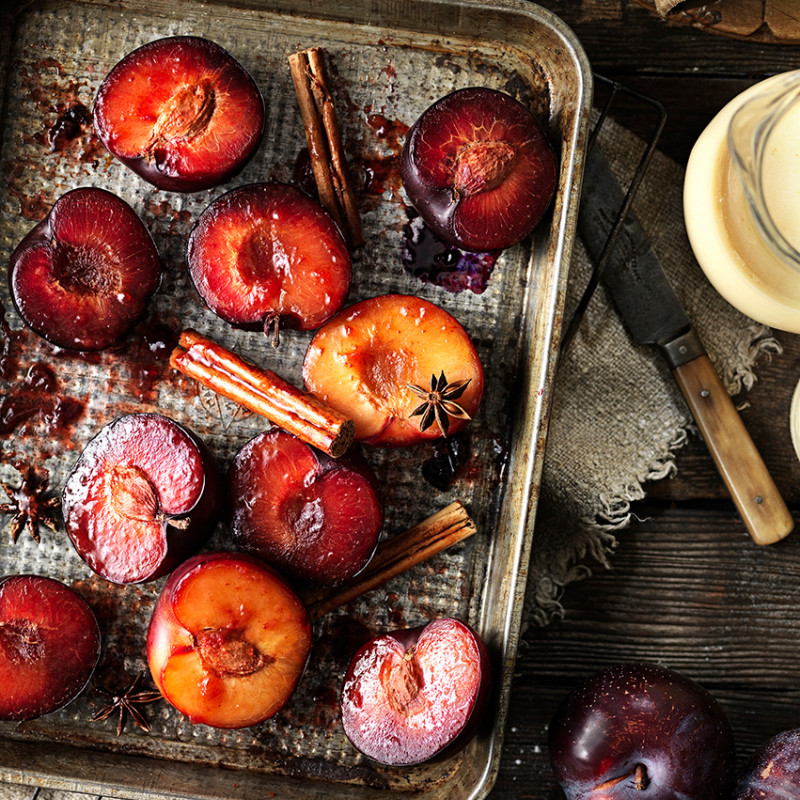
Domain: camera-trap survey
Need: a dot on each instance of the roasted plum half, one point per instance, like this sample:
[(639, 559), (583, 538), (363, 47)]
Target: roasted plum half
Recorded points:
[(84, 275), (414, 695), (228, 640), (181, 112), (268, 256), (315, 518), (402, 368), (479, 169), (144, 495), (49, 645)]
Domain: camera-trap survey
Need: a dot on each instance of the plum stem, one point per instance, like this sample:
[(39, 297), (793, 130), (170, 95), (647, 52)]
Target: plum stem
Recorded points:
[(273, 321), (181, 523), (639, 779)]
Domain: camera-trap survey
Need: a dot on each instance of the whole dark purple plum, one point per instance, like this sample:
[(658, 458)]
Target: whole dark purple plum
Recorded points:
[(773, 772), (642, 732)]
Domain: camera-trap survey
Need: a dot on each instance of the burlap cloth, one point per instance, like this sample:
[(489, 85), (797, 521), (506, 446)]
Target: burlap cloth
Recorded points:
[(618, 417)]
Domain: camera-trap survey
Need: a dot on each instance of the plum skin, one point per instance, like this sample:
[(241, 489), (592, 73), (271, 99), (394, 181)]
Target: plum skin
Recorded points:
[(642, 714), (773, 771), (168, 636), (478, 168)]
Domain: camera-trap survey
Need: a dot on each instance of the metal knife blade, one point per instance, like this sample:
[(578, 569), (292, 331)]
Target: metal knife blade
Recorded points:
[(640, 289), (653, 315)]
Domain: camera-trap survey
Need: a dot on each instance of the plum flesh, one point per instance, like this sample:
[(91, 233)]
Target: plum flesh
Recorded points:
[(228, 640), (363, 361), (414, 695), (267, 255), (144, 494), (315, 518), (49, 646), (84, 275), (181, 112)]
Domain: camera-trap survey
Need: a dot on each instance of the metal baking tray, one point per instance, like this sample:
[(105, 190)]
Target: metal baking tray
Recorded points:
[(388, 62)]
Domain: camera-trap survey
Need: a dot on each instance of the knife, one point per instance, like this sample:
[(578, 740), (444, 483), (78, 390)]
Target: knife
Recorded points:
[(653, 315)]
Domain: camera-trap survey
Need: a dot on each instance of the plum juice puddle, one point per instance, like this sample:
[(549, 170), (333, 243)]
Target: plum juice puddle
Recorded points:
[(430, 259)]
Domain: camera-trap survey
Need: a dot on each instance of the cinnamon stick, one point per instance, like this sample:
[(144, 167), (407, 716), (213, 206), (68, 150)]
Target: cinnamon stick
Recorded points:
[(263, 392), (396, 555), (324, 139)]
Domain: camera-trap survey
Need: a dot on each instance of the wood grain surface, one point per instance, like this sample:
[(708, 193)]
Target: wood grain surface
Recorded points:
[(765, 20), (688, 588)]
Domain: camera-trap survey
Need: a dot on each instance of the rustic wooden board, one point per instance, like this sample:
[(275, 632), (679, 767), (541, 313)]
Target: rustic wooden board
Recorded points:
[(776, 21), (687, 588)]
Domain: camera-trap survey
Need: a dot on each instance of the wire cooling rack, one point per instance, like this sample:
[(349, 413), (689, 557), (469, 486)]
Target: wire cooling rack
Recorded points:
[(614, 91)]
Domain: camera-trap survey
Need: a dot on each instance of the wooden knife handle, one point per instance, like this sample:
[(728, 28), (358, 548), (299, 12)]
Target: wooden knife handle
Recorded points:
[(761, 506)]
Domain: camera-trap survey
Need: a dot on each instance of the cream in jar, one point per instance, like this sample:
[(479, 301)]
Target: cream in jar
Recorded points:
[(742, 202)]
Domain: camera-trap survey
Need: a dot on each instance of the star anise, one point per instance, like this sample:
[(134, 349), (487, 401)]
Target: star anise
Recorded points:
[(29, 505), (439, 402), (125, 703)]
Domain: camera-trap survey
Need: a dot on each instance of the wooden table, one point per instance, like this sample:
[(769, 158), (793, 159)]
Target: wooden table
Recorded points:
[(688, 588)]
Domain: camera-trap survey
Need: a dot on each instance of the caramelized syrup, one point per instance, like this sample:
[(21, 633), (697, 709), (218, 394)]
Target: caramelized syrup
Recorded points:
[(69, 125), (427, 257), (37, 395)]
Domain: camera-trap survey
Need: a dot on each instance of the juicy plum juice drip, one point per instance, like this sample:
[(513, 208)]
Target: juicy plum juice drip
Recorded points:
[(431, 260), (725, 236)]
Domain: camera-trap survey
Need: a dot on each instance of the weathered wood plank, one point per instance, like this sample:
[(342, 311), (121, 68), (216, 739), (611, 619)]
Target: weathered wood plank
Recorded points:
[(688, 590), (624, 38), (688, 587)]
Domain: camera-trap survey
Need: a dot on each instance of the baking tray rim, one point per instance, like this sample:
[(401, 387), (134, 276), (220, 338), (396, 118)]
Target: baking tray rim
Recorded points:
[(531, 416)]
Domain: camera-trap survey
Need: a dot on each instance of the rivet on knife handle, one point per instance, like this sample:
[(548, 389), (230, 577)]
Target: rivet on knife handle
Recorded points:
[(758, 500)]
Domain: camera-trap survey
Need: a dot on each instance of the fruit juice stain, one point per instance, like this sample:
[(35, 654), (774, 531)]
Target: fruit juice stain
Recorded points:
[(146, 354), (8, 360), (394, 610), (37, 395), (391, 130), (431, 260), (69, 125), (380, 170), (450, 455)]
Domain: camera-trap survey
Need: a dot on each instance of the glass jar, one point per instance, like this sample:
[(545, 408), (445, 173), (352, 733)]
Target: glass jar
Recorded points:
[(742, 201)]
